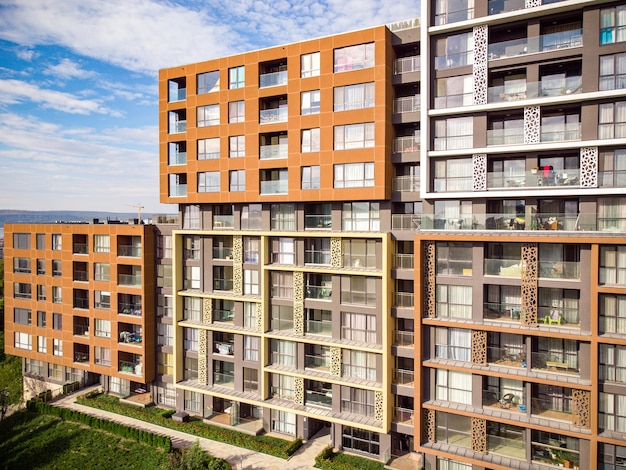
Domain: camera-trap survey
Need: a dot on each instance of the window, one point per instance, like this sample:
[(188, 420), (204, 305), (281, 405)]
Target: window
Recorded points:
[(454, 51), (311, 177), (310, 102), (191, 277), (42, 346), (41, 267), (102, 271), (102, 299), (236, 77), (281, 318), (250, 315), (251, 249), (354, 175), (251, 348), (57, 319), (55, 371), (360, 440), (192, 401), (41, 319), (40, 240), (57, 244), (22, 316), (208, 82), (359, 253), (612, 363), (177, 153), (21, 265), (56, 268), (101, 243), (453, 301), (250, 380), (283, 251), (613, 265), (454, 386), (454, 133), (310, 65), (282, 284), (57, 295), (236, 112), (612, 120), (310, 140), (57, 347), (613, 71), (237, 146), (103, 328), (612, 415), (190, 371), (208, 149), (451, 92), (317, 251), (612, 313), (275, 181), (354, 136), (165, 363), (192, 308), (357, 401), (358, 290), (451, 11), (165, 334), (359, 327), (453, 429), (22, 290), (164, 275), (453, 343), (359, 365), (209, 182), (611, 457), (23, 341), (453, 174), (237, 180), (21, 241), (102, 356), (190, 339), (250, 282), (192, 246), (208, 115), (360, 217), (283, 352), (613, 25), (282, 386), (283, 422), (612, 166), (41, 293), (354, 57), (191, 216), (283, 217), (354, 97), (165, 305)]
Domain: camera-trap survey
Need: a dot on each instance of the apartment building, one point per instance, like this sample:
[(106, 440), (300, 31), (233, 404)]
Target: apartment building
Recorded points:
[(80, 304), (520, 298)]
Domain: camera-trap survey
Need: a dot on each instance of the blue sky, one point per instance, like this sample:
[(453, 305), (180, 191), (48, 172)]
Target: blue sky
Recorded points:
[(78, 85)]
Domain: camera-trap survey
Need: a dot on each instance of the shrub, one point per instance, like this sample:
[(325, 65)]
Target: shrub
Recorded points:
[(327, 459)]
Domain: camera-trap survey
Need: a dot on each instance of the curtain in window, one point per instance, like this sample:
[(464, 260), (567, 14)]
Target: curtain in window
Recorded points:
[(461, 387), (460, 344)]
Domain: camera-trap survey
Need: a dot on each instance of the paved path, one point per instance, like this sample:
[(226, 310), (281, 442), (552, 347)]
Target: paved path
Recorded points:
[(239, 458)]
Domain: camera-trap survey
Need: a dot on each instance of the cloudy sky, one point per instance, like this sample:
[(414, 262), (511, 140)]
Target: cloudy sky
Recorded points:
[(78, 84)]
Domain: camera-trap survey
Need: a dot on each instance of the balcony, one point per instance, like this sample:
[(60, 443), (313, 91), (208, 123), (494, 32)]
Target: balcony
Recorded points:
[(132, 280), (560, 132), (274, 187), (223, 221), (222, 252), (404, 261), (317, 362), (317, 222), (273, 79), (406, 65), (131, 367), (533, 45), (82, 328), (177, 158), (403, 338), (554, 362), (509, 442), (323, 399), (271, 152), (80, 248), (407, 104), (81, 302), (221, 379), (319, 257), (178, 190), (129, 250), (505, 6), (224, 348), (224, 316), (130, 334), (552, 408), (405, 184), (223, 284), (535, 178), (512, 356), (403, 377), (177, 121), (281, 324), (268, 116), (358, 372), (321, 328), (177, 90), (509, 136), (406, 144), (404, 299), (81, 276), (545, 88), (504, 400), (405, 221), (509, 312), (129, 309), (403, 416)]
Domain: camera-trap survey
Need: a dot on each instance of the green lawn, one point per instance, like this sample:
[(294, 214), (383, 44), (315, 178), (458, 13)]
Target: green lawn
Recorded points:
[(29, 441)]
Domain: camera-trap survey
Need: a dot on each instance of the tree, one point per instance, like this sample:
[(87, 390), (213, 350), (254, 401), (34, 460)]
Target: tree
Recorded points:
[(195, 458), (10, 384)]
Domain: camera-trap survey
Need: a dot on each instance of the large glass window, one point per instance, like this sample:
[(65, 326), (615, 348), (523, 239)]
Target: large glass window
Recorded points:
[(209, 182), (236, 112), (283, 422), (101, 243), (613, 265), (23, 341), (361, 441), (208, 149), (236, 77), (612, 363), (237, 180), (354, 57), (359, 327), (311, 177), (310, 102), (354, 96), (454, 301), (453, 429), (237, 146), (208, 115), (358, 290), (359, 364), (283, 217), (453, 343), (21, 241), (353, 136), (612, 313), (208, 82), (454, 51), (612, 120), (451, 11), (250, 282), (283, 352), (454, 133), (357, 401), (360, 217), (613, 24), (612, 416), (453, 174), (454, 91), (354, 175), (453, 386), (311, 140), (310, 65)]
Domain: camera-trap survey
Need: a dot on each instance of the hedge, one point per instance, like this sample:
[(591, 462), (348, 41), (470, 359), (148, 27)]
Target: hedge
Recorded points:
[(328, 459), (265, 444), (121, 430)]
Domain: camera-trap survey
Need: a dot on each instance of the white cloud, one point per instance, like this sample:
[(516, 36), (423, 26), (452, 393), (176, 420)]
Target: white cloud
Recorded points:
[(67, 69), (26, 54), (145, 35), (17, 91)]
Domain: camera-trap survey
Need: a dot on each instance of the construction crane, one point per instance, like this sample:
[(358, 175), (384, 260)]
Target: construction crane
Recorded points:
[(137, 206)]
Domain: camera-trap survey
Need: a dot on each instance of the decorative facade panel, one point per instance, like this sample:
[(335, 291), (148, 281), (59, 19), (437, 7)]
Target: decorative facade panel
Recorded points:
[(207, 311), (379, 405), (589, 167), (202, 357), (530, 268), (238, 278), (479, 435), (237, 249), (480, 64), (335, 361), (298, 303), (479, 347), (581, 408), (259, 317), (430, 429), (479, 166), (532, 3), (336, 258), (298, 391), (429, 269), (532, 125)]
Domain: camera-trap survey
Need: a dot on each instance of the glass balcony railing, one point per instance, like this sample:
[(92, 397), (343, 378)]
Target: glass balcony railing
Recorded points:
[(179, 94), (409, 183), (406, 65), (223, 284), (178, 190), (178, 127), (222, 252), (454, 16), (129, 309), (318, 222), (559, 269), (81, 303), (223, 221), (510, 136), (274, 187), (505, 6), (178, 158), (278, 324), (502, 311), (322, 328), (545, 88), (81, 276), (404, 261), (223, 380), (560, 132), (454, 60), (554, 362), (318, 292), (403, 377), (317, 257), (512, 356), (270, 152), (406, 144), (129, 250), (273, 79), (405, 221), (508, 446), (536, 178), (223, 316), (545, 42), (403, 415), (407, 104), (317, 362), (553, 408), (404, 338), (324, 399), (267, 116), (130, 279), (134, 368), (404, 299), (80, 249)]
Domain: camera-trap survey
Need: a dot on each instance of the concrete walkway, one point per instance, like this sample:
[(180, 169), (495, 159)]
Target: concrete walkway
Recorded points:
[(239, 458)]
